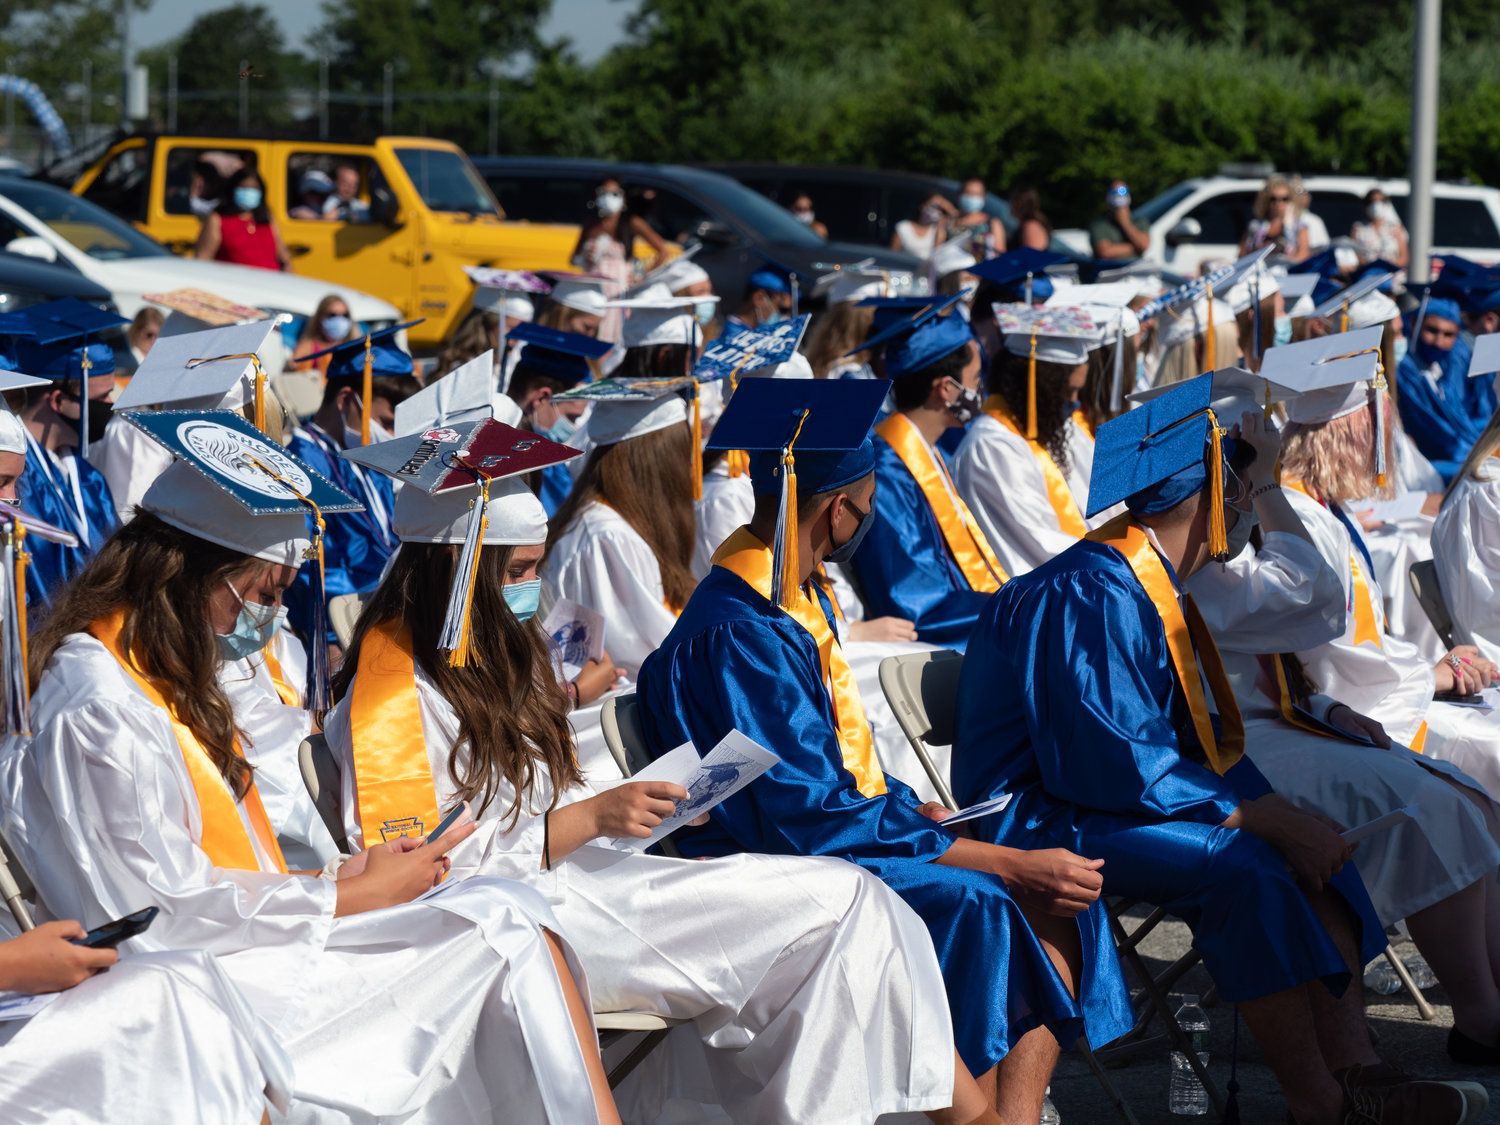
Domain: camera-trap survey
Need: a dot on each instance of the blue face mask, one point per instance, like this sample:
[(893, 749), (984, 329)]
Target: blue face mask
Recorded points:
[(523, 598), (561, 430), (253, 629), (1283, 331), (336, 327), (1398, 349), (704, 311), (845, 551), (247, 198)]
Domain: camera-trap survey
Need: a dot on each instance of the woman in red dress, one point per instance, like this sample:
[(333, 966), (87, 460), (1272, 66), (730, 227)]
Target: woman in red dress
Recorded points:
[(240, 229)]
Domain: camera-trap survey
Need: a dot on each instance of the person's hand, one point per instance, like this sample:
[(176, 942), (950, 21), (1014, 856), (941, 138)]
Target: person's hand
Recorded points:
[(1054, 880), (1258, 432), (933, 810), (1346, 718), (1310, 844), (597, 677), (396, 871), (882, 629), (635, 808), (45, 960), (1464, 671)]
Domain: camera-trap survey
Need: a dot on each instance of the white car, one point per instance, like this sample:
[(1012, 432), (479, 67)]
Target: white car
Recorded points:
[(45, 222), (1205, 219)]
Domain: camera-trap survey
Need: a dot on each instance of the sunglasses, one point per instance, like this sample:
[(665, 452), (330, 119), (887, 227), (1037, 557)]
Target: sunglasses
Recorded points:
[(1281, 199)]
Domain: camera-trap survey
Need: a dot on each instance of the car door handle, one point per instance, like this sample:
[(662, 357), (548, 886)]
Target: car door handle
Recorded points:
[(297, 249)]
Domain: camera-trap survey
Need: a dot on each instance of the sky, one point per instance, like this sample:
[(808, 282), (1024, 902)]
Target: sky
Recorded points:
[(593, 25)]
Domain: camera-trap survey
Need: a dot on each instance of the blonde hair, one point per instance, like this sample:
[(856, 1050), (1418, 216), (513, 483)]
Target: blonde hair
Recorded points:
[(1263, 197), (1336, 459), (839, 330)]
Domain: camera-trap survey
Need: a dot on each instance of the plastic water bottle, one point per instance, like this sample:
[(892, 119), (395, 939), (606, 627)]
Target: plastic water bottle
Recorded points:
[(1186, 1094), (1381, 978), (1050, 1116)]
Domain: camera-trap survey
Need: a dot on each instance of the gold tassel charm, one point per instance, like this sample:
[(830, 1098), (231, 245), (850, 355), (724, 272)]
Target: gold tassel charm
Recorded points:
[(368, 396), (1218, 537), (1210, 342)]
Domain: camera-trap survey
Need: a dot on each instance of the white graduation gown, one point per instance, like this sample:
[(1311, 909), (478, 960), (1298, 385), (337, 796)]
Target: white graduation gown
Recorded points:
[(813, 989), (273, 733), (1002, 482), (1286, 598), (160, 1037), (443, 1010), (1390, 680), (727, 504), (1466, 548), (603, 563), (130, 461)]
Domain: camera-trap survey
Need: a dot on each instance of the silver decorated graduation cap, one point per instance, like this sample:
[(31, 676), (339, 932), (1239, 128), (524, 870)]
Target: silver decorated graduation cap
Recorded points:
[(741, 351), (465, 394)]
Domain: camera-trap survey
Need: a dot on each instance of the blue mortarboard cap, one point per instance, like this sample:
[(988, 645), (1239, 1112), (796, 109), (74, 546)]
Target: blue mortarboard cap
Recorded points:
[(934, 339), (1154, 457), (904, 320), (770, 278), (1324, 263), (63, 361), (1458, 265), (561, 355), (58, 340), (1015, 265), (387, 356), (1346, 297)]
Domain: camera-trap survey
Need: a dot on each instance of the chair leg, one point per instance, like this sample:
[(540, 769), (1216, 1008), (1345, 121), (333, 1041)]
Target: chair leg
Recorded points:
[(1116, 1099), (1424, 1009), (621, 1070)]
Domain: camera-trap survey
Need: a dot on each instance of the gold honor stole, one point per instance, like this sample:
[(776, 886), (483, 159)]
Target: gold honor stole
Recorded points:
[(1059, 495), (1188, 642), (1366, 624), (745, 555), (392, 773), (289, 695), (225, 840), (966, 541)]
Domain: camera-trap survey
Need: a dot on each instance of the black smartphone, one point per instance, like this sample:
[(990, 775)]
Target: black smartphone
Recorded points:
[(446, 823), (1456, 697), (111, 934)]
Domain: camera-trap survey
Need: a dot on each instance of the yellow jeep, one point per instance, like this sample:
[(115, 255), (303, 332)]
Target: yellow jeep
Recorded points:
[(425, 214)]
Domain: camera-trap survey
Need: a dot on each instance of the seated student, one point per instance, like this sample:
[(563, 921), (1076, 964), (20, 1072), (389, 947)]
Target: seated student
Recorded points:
[(359, 543), (80, 1058), (1018, 933), (1466, 535), (1332, 454), (133, 791), (1025, 492), (60, 486), (1441, 409), (1436, 870), (925, 558), (552, 361), (1081, 698), (768, 300), (847, 975)]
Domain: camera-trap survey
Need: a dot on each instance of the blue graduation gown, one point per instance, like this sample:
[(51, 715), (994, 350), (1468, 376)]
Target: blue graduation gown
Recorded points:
[(1067, 700), (734, 661), (52, 564), (1444, 426), (356, 545), (557, 482), (903, 565)]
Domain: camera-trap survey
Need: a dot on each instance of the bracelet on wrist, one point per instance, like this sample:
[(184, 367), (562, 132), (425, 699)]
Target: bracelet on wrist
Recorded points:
[(1257, 493)]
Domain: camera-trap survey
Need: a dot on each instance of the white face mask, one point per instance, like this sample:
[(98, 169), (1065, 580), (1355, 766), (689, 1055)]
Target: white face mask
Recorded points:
[(609, 202), (1238, 536), (971, 204), (353, 438)]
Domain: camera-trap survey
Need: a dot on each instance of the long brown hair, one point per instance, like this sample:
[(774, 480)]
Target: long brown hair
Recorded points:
[(162, 577), (648, 481), (474, 336), (512, 713), (841, 329)]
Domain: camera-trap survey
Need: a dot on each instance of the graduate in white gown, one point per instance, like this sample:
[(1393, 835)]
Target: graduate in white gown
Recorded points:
[(827, 964), (132, 792), (1329, 455)]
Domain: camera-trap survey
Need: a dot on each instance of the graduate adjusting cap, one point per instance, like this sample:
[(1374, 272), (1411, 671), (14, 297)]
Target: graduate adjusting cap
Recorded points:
[(558, 354), (1155, 457), (1334, 376), (374, 353), (656, 317), (1486, 357), (804, 437), (215, 368), (463, 486)]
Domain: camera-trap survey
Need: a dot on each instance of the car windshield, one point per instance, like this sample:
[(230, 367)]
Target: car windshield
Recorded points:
[(86, 225), (446, 181), (771, 221), (1157, 206)]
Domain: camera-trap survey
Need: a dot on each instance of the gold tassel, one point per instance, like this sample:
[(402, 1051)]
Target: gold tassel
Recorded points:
[(1344, 318), (790, 567), (697, 452), (260, 382), (369, 394), (1211, 343), (1031, 389), (738, 463), (18, 607), (1218, 538)]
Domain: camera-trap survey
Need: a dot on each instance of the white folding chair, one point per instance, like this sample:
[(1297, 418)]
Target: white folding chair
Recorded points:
[(343, 614)]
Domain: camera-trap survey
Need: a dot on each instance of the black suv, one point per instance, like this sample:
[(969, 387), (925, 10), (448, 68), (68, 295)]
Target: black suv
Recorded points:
[(740, 229)]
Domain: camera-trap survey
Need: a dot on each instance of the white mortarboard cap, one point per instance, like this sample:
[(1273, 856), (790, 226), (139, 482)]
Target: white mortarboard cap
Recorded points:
[(1071, 350), (1297, 293), (185, 498), (12, 432), (951, 257), (583, 292), (1178, 324), (506, 292), (15, 381), (513, 517), (795, 368), (505, 410), (679, 273), (462, 395), (1232, 386), (1486, 357), (172, 373), (621, 419), (656, 317), (1372, 309), (849, 286), (1330, 373)]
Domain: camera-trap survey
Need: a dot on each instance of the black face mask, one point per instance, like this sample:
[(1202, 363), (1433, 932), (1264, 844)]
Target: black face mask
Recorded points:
[(99, 415), (845, 550)]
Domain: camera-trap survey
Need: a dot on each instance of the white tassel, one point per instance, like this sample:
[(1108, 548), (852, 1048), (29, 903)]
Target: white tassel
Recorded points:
[(16, 702), (1380, 465), (1117, 378), (779, 540)]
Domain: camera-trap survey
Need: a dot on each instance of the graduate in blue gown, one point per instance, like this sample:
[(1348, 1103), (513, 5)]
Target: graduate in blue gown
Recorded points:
[(1442, 409), (1069, 702), (761, 656), (356, 545), (59, 485), (926, 559)]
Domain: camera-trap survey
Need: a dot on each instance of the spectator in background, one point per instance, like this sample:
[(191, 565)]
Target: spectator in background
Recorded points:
[(316, 189), (922, 235), (345, 205), (240, 230), (1114, 234), (1276, 222), (143, 331), (1317, 229), (768, 299), (802, 211), (606, 246), (986, 234), (1033, 228), (330, 324), (1381, 235)]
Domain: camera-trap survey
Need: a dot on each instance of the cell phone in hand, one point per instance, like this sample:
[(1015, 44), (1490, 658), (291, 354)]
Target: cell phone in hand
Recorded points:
[(111, 934), (1470, 699), (447, 822)]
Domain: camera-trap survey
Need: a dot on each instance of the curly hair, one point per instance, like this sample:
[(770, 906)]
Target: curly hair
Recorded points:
[(1337, 459), (1054, 399)]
